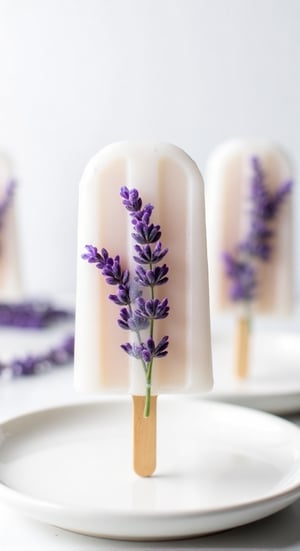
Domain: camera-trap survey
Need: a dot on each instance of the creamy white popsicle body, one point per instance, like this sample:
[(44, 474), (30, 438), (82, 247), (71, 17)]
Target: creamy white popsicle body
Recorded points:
[(228, 193), (168, 179), (10, 277)]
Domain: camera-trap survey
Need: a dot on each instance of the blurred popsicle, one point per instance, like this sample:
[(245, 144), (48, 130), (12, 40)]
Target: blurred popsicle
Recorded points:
[(170, 181), (10, 279), (250, 234)]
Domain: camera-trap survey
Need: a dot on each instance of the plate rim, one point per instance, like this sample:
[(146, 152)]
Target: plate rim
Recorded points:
[(15, 496)]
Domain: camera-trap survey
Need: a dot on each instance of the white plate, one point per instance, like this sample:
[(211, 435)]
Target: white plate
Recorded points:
[(273, 383), (219, 466)]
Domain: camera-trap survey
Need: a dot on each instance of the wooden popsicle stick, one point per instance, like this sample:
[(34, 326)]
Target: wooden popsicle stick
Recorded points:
[(144, 436), (241, 351)]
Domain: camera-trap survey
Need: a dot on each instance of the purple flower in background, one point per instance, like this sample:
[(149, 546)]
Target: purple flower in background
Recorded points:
[(265, 205), (243, 278), (34, 364), (137, 313), (32, 314)]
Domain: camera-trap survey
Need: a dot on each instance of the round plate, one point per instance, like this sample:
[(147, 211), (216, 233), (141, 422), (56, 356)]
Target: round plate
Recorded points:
[(273, 383), (219, 466)]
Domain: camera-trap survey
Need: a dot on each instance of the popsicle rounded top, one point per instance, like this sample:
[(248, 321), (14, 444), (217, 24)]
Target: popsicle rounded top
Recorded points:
[(230, 171), (168, 179), (10, 278)]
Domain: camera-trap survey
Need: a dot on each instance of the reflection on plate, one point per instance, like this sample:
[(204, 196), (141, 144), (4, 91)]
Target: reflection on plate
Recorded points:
[(274, 378), (219, 466)]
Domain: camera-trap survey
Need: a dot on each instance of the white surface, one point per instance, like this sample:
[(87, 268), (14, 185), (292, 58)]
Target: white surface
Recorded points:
[(212, 473), (168, 179), (273, 383), (16, 397), (190, 72)]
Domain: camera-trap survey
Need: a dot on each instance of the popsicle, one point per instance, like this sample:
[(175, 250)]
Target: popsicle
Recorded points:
[(170, 181), (10, 280), (249, 235)]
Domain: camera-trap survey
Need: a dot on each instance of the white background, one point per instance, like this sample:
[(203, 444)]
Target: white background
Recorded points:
[(76, 75)]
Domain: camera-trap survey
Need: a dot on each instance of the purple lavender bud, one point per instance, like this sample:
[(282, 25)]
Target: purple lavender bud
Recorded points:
[(143, 215), (148, 256), (276, 200), (133, 350), (153, 308), (114, 274), (124, 315), (161, 348), (131, 199), (122, 298), (137, 322), (93, 256), (151, 278), (127, 294), (150, 351), (242, 276), (132, 321), (145, 233)]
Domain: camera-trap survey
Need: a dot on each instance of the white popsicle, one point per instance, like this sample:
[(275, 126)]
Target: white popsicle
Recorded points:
[(228, 191), (168, 179), (10, 277)]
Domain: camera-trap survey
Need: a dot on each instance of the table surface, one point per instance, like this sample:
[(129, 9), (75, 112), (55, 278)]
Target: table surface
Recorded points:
[(17, 533)]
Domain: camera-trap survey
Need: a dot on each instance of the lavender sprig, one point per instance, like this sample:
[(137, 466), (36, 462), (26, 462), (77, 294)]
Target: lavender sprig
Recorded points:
[(138, 313), (257, 245), (31, 314), (57, 356)]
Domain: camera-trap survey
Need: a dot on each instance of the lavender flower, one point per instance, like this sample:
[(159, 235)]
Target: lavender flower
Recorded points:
[(131, 199), (114, 275), (146, 233), (153, 308), (35, 364), (94, 257), (31, 314), (133, 321), (147, 255), (138, 314), (127, 294), (265, 206), (243, 278), (150, 278), (150, 351)]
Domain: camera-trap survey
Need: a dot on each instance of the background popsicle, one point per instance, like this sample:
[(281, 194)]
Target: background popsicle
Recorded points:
[(250, 235), (228, 187), (168, 179), (10, 278)]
